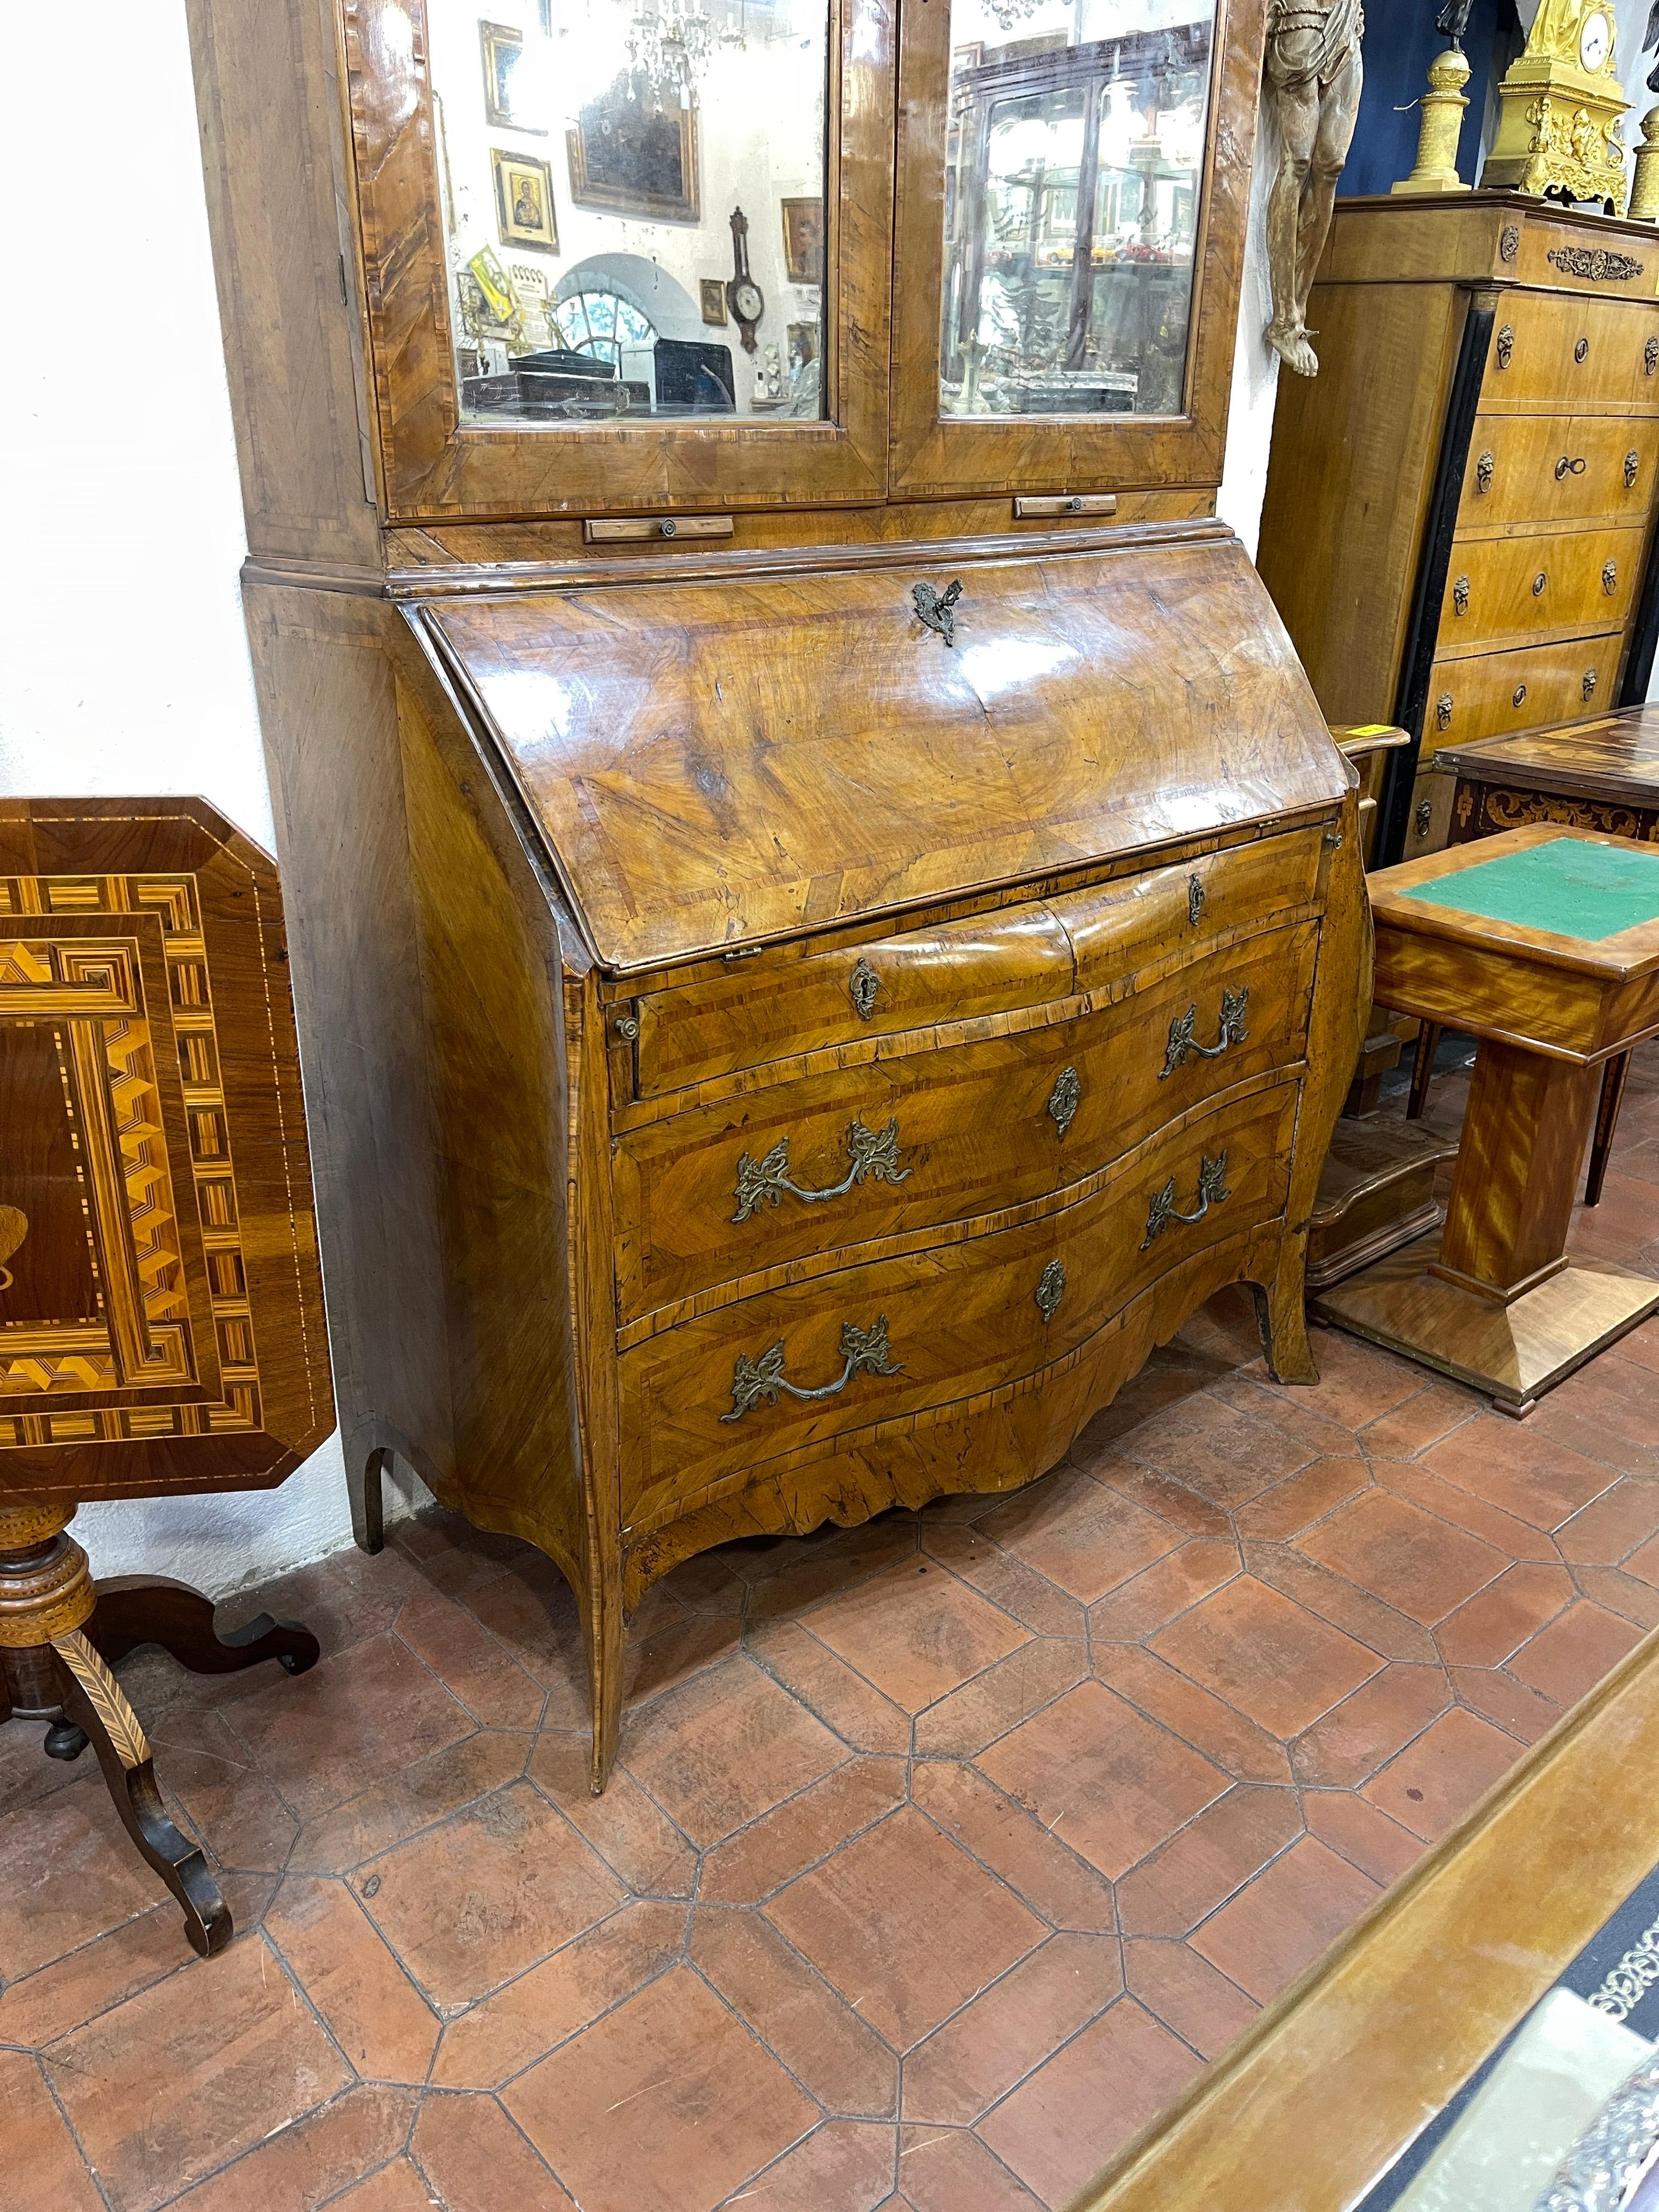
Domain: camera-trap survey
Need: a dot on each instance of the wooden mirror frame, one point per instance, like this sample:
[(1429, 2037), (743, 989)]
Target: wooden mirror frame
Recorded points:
[(435, 467), (938, 457)]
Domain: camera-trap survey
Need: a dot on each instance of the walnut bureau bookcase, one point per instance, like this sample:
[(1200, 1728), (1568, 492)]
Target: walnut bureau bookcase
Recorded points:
[(1460, 506), (828, 918)]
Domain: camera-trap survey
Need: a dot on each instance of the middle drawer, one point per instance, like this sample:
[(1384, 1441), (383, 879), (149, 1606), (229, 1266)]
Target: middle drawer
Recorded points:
[(1502, 590), (714, 1194)]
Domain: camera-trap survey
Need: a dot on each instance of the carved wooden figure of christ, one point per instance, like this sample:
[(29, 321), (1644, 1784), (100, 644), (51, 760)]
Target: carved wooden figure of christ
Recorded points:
[(1314, 66)]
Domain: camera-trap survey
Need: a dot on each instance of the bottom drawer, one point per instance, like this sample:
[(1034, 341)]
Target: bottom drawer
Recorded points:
[(738, 1387), (1496, 695)]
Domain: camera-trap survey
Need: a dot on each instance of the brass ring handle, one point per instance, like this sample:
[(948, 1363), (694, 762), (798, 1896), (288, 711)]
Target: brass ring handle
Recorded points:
[(1212, 1191), (1484, 469), (1632, 469), (1442, 710), (1590, 684), (1235, 1004), (863, 1351), (1423, 818), (1610, 578), (1565, 467), (1651, 356), (872, 1156), (1461, 596), (1506, 345)]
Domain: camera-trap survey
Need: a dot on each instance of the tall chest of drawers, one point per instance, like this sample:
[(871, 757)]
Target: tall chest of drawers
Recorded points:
[(1460, 506)]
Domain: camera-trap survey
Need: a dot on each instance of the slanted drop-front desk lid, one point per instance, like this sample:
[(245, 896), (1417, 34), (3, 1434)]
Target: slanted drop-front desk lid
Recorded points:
[(738, 757)]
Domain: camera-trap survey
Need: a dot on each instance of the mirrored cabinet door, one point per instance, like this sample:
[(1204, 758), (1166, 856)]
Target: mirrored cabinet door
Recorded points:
[(624, 253), (1074, 179)]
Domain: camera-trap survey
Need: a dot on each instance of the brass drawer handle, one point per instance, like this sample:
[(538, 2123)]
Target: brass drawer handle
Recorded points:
[(1518, 697), (1590, 684), (1651, 356), (1461, 596), (863, 1350), (1632, 469), (1565, 467), (1442, 710), (1424, 816), (873, 1155), (1506, 345), (1538, 583), (1610, 578), (1064, 1098), (937, 608), (1212, 1191), (1235, 1004), (1484, 469), (1050, 1290), (1194, 900), (864, 983)]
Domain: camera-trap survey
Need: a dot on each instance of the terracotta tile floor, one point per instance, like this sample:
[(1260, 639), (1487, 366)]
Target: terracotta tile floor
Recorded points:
[(942, 1852)]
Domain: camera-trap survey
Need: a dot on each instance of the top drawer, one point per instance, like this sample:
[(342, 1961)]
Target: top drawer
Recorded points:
[(1554, 351), (1024, 955)]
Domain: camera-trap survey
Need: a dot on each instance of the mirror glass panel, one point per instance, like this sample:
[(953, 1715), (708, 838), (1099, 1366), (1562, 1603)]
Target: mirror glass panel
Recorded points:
[(633, 197), (1073, 168)]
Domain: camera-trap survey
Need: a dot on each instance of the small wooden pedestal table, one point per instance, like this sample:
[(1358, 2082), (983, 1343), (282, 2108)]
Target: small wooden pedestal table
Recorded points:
[(161, 1304), (1543, 944)]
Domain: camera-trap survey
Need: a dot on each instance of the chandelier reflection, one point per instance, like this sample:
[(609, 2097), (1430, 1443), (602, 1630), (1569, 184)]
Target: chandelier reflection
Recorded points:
[(668, 49)]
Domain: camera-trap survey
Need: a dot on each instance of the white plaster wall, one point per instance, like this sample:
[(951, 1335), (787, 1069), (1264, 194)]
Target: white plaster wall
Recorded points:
[(124, 665)]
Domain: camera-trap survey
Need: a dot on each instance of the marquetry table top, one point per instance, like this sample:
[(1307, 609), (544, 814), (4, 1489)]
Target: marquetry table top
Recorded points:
[(1615, 758)]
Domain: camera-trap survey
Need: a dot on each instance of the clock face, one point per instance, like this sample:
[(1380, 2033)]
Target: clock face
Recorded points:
[(1594, 42), (747, 303)]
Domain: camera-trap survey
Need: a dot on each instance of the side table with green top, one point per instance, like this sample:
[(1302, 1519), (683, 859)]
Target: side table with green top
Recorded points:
[(1543, 943)]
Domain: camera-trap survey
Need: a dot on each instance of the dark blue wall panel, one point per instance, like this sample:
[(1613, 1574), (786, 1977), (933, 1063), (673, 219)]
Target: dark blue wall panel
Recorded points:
[(1400, 41)]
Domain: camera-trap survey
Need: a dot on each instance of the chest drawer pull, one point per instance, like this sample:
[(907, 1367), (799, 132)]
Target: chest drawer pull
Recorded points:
[(1050, 1290), (1461, 596), (1506, 345), (1484, 469), (864, 983), (872, 1154), (1590, 684), (1235, 1004), (863, 1350), (1063, 1098), (1442, 710), (1212, 1191), (1565, 467), (1632, 469), (1651, 356), (1610, 578)]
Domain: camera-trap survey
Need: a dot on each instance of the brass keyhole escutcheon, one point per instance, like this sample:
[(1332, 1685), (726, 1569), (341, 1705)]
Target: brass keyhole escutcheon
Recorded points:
[(668, 527), (1050, 1290), (1538, 583), (863, 984), (1581, 351), (1518, 697), (1194, 900)]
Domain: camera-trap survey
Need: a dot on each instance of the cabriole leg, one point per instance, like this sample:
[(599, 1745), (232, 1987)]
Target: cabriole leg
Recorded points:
[(1281, 1315)]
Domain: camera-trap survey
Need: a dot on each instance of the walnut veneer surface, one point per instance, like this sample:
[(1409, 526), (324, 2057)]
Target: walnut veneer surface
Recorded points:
[(766, 1061), (1460, 508)]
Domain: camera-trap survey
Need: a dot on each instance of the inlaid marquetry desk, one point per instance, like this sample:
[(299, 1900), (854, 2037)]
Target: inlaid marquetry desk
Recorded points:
[(1543, 944)]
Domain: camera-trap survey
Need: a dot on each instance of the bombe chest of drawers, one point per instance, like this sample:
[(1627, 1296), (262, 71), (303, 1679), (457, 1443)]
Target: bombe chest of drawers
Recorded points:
[(1460, 506), (823, 935)]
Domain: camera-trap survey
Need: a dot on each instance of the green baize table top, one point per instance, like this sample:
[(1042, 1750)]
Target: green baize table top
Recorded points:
[(1570, 886)]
